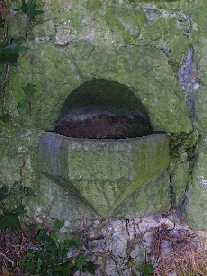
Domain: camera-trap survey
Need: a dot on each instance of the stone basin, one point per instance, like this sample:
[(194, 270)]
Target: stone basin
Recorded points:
[(104, 172)]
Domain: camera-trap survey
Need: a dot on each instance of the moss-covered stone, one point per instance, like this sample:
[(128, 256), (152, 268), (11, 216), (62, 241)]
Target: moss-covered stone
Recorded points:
[(56, 73), (152, 198), (104, 173), (99, 42), (197, 195), (54, 201), (140, 44)]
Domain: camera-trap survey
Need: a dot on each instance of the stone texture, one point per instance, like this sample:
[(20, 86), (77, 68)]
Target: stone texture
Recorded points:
[(120, 247), (105, 172), (197, 215), (55, 200), (140, 44), (151, 198), (56, 71)]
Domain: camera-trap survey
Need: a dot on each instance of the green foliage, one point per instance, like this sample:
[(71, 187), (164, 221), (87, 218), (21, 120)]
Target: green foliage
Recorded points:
[(10, 217), (30, 89), (30, 8), (10, 54), (150, 1), (26, 102), (4, 118), (183, 142), (16, 192), (50, 255), (146, 269)]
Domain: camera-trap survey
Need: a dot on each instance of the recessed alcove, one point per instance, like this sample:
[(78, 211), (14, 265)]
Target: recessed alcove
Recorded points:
[(103, 146), (102, 109)]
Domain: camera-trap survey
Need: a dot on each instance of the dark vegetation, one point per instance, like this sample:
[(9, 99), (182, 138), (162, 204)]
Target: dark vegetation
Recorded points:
[(35, 249), (10, 49)]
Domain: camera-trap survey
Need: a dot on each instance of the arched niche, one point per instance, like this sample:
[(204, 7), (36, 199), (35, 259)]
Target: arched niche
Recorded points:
[(103, 109), (103, 170)]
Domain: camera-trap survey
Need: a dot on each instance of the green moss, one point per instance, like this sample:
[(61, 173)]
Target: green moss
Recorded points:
[(152, 198), (94, 5), (125, 24), (166, 34), (112, 41), (197, 195), (145, 160), (74, 18), (104, 173), (56, 73)]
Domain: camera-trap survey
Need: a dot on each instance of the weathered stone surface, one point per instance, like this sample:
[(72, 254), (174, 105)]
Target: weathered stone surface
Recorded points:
[(196, 212), (113, 243), (17, 161), (101, 41), (197, 194), (105, 172), (151, 198), (142, 45), (55, 200)]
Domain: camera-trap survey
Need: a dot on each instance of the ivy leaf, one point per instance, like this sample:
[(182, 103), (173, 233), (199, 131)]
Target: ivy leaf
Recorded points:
[(72, 243), (28, 263), (62, 269), (30, 89), (30, 8), (27, 191), (10, 53), (4, 192), (67, 245), (89, 267), (10, 220), (5, 118), (19, 211), (58, 224), (147, 269), (81, 262)]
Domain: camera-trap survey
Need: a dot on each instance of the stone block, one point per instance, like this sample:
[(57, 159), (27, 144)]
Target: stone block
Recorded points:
[(104, 172)]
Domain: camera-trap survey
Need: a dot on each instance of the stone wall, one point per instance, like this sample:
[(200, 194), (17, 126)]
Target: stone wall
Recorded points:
[(158, 50)]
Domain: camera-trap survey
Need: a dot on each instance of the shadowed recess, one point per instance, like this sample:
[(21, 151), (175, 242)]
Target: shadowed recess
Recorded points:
[(102, 109)]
